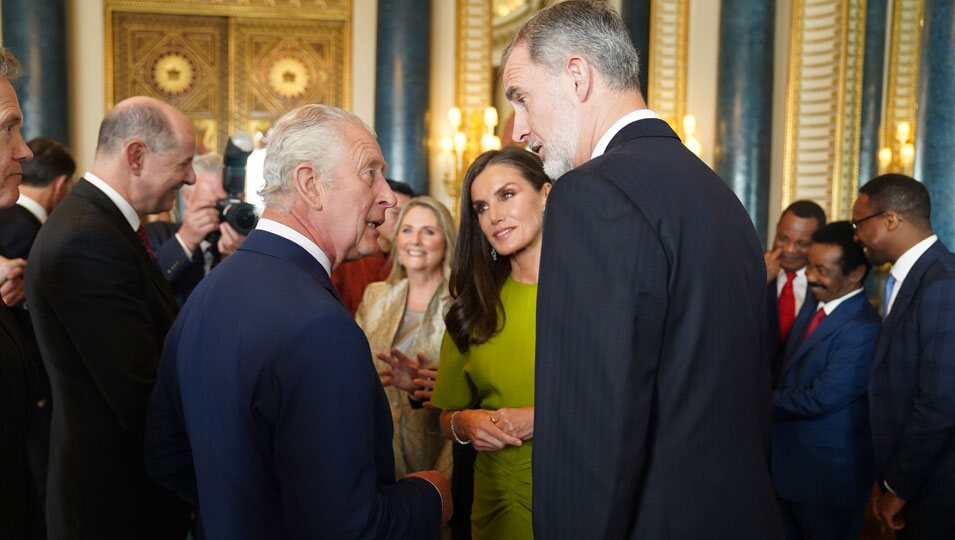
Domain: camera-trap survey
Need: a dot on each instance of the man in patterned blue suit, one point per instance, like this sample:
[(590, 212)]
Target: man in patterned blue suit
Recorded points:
[(912, 380)]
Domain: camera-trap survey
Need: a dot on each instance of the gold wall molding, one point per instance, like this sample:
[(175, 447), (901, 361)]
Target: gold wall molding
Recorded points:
[(902, 81), (823, 104), (666, 95), (229, 65)]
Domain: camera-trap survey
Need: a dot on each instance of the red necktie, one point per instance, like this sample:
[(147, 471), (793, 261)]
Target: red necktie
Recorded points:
[(141, 233), (787, 306), (817, 318)]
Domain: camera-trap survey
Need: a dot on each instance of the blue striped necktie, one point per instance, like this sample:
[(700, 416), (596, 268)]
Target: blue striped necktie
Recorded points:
[(889, 285)]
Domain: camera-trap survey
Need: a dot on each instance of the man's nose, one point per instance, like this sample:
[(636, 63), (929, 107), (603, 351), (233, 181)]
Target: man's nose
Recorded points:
[(521, 128), (22, 152)]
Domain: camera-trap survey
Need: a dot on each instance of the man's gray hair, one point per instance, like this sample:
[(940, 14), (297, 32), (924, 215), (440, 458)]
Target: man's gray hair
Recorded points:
[(589, 28), (10, 68), (308, 134), (207, 163), (140, 121)]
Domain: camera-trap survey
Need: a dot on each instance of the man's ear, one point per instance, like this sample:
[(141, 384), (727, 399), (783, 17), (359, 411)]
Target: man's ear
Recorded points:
[(61, 184), (582, 74), (135, 153), (309, 187), (857, 275), (892, 220)]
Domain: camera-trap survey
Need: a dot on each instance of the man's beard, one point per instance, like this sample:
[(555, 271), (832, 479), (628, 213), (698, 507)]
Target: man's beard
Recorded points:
[(559, 158)]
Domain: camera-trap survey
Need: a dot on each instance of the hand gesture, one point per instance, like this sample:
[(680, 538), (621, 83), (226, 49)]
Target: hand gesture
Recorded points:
[(402, 372), (478, 427), (887, 508), (12, 289), (772, 264), (425, 385), (516, 422), (229, 241)]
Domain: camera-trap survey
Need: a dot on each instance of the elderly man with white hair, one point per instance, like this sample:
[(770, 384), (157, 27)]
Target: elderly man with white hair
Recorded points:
[(268, 414)]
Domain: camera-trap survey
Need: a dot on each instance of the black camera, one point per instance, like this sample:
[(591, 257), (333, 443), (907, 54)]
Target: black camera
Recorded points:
[(233, 210)]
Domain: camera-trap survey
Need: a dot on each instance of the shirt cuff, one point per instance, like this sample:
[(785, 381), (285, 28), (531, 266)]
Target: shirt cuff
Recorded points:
[(185, 248), (892, 491), (440, 496)]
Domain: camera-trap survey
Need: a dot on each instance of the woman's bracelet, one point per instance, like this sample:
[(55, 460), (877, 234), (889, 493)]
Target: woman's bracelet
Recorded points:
[(454, 432)]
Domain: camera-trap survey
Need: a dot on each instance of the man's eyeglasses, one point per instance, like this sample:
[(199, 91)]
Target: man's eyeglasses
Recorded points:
[(855, 224)]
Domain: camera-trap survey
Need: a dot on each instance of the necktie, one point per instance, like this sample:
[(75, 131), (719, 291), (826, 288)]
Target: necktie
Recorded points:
[(787, 306), (817, 318), (889, 285), (141, 233)]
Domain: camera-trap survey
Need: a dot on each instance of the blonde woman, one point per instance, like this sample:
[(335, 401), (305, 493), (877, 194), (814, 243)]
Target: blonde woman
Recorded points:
[(403, 318)]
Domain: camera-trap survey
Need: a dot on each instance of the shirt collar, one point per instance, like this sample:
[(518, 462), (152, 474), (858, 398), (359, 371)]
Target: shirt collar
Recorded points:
[(629, 118), (831, 305), (904, 264), (33, 207), (292, 235), (127, 209)]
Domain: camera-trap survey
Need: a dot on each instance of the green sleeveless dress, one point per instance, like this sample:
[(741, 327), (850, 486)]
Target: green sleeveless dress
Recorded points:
[(495, 374)]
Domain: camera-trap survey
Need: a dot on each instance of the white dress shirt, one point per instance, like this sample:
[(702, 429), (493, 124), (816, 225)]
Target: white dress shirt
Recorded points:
[(800, 286), (33, 207), (904, 265), (292, 235), (629, 118), (127, 209), (831, 305)]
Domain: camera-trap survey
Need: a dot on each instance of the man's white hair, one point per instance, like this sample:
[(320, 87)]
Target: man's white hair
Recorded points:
[(309, 134)]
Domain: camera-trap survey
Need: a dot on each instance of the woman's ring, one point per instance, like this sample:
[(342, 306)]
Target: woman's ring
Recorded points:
[(493, 420)]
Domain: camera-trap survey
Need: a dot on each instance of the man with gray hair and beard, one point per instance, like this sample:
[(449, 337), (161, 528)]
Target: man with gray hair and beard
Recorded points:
[(652, 402), (267, 413)]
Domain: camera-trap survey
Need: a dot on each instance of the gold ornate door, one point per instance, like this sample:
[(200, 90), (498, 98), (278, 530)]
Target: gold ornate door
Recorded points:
[(229, 68)]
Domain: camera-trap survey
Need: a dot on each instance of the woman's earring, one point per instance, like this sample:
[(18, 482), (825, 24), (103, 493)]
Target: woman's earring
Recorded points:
[(494, 254)]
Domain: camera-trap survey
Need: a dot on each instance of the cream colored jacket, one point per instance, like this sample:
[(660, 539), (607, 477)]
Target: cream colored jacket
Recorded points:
[(417, 441)]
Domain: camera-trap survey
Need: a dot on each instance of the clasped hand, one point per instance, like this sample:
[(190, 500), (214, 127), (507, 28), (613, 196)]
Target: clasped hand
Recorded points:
[(12, 288), (408, 374), (493, 430)]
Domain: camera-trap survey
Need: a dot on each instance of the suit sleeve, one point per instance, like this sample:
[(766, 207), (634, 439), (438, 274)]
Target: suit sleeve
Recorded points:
[(931, 422), (168, 452), (172, 259), (844, 379), (602, 304), (331, 428), (119, 346)]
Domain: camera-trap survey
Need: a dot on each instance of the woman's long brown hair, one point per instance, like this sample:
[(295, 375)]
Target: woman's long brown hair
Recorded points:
[(476, 278)]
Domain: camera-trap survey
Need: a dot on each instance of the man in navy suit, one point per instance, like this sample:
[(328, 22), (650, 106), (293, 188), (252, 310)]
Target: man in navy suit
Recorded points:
[(912, 381), (786, 284), (267, 412), (822, 453), (652, 392)]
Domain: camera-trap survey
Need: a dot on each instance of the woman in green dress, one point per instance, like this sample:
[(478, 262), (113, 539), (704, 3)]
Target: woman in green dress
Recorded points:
[(486, 383)]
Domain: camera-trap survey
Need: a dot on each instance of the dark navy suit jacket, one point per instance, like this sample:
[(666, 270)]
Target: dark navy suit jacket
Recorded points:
[(269, 412), (912, 392), (822, 452), (777, 345), (182, 271), (652, 393)]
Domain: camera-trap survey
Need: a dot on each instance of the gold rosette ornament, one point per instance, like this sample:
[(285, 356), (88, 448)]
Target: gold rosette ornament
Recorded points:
[(173, 73), (288, 77)]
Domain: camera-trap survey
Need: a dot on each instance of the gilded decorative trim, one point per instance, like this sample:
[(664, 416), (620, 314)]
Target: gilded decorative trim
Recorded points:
[(669, 27), (823, 103), (473, 71), (902, 82)]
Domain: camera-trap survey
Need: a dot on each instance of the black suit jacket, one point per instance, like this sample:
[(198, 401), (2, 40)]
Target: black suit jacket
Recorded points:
[(652, 388), (101, 310), (17, 498), (182, 272), (18, 230)]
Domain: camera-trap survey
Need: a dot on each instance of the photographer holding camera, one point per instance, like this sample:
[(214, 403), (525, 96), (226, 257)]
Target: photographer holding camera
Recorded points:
[(187, 251)]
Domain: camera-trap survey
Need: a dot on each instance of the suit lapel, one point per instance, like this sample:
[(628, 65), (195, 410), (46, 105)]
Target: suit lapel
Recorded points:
[(832, 322), (910, 286), (97, 198), (799, 326)]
